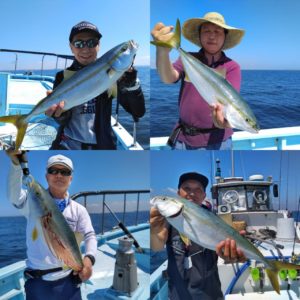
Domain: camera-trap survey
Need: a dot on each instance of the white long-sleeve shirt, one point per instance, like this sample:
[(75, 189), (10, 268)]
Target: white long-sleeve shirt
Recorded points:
[(39, 255)]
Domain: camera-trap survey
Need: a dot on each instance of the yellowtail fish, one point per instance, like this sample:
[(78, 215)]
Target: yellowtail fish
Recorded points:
[(58, 235), (206, 229), (213, 87), (83, 86)]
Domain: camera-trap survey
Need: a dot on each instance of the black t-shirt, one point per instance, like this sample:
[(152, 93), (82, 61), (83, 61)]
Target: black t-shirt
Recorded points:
[(200, 281)]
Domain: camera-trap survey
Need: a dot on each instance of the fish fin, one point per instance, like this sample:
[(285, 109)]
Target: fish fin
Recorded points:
[(273, 273), (110, 72), (221, 101), (18, 121), (185, 239), (68, 74), (174, 41), (34, 234), (274, 280), (186, 77), (79, 238), (222, 72), (65, 267), (88, 282), (113, 91)]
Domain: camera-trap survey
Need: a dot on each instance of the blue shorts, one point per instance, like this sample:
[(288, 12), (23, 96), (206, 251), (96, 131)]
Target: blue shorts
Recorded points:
[(62, 289)]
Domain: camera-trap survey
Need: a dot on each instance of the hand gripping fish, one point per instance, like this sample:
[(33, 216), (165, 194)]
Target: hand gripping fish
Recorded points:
[(213, 87), (50, 221), (83, 86), (206, 229)]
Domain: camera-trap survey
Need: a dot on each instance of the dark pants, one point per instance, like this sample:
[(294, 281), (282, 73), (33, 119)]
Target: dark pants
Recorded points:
[(62, 289)]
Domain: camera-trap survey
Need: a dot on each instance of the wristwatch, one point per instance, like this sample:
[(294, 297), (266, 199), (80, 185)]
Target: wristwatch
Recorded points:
[(91, 257)]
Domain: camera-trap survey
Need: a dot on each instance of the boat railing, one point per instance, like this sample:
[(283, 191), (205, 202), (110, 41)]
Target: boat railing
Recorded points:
[(44, 54), (105, 194)]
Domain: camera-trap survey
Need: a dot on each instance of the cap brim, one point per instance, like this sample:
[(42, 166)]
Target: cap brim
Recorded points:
[(61, 164), (193, 176)]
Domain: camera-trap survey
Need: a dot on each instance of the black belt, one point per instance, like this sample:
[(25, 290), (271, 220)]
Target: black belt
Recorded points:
[(85, 146), (192, 130), (29, 273)]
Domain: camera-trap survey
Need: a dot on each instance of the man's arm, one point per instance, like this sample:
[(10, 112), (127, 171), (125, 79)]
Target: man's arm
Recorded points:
[(15, 193), (85, 227)]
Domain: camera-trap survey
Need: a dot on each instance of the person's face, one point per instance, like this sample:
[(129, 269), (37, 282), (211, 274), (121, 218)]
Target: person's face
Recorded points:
[(58, 182), (212, 37), (85, 55), (192, 190)]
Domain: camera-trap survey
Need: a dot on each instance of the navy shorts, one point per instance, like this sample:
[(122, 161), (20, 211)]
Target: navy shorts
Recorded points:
[(62, 289)]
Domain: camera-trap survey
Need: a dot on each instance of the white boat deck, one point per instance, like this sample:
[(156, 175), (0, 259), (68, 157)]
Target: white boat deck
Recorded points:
[(284, 295), (99, 286)]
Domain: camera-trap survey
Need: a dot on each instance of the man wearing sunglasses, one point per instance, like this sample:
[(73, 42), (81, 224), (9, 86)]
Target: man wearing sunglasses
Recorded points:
[(88, 126), (45, 273)]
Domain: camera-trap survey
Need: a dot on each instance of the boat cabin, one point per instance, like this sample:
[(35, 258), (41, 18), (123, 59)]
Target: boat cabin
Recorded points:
[(235, 194)]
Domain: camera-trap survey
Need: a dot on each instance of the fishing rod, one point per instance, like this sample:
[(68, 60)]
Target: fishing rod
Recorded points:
[(293, 253), (22, 157), (124, 228)]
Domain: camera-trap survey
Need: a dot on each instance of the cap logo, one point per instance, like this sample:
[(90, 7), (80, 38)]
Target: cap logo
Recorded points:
[(85, 25)]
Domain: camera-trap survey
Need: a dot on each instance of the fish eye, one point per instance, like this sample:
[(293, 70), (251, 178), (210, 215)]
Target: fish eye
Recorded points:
[(124, 48), (247, 120)]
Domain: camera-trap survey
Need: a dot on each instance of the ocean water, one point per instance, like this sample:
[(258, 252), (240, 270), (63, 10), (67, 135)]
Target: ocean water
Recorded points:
[(13, 230), (274, 97)]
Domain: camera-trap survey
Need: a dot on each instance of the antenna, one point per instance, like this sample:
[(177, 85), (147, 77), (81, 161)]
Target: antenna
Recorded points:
[(232, 163), (218, 175), (218, 168)]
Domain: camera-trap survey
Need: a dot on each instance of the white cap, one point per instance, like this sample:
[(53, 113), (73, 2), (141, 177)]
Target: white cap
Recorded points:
[(60, 160)]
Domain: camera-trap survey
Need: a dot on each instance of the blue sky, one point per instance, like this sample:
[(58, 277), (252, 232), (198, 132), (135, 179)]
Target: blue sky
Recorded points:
[(111, 170), (44, 25), (94, 170), (167, 166), (272, 28)]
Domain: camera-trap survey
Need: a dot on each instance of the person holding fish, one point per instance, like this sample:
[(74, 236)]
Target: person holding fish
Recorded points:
[(192, 270), (88, 126), (202, 122), (54, 266)]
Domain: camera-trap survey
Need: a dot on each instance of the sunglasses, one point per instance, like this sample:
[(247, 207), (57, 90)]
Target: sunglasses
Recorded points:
[(91, 43), (63, 172)]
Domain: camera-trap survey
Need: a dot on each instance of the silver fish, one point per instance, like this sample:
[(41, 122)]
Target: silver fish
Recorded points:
[(51, 223), (83, 86), (206, 229), (213, 87)]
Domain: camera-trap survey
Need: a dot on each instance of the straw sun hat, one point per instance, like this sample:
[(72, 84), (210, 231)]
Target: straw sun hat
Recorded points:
[(190, 30)]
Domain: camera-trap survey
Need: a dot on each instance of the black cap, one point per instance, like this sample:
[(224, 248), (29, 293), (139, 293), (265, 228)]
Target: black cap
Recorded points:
[(84, 26), (193, 176)]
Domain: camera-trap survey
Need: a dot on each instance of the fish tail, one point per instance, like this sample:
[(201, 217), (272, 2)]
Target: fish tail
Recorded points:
[(273, 273), (20, 123), (174, 41)]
